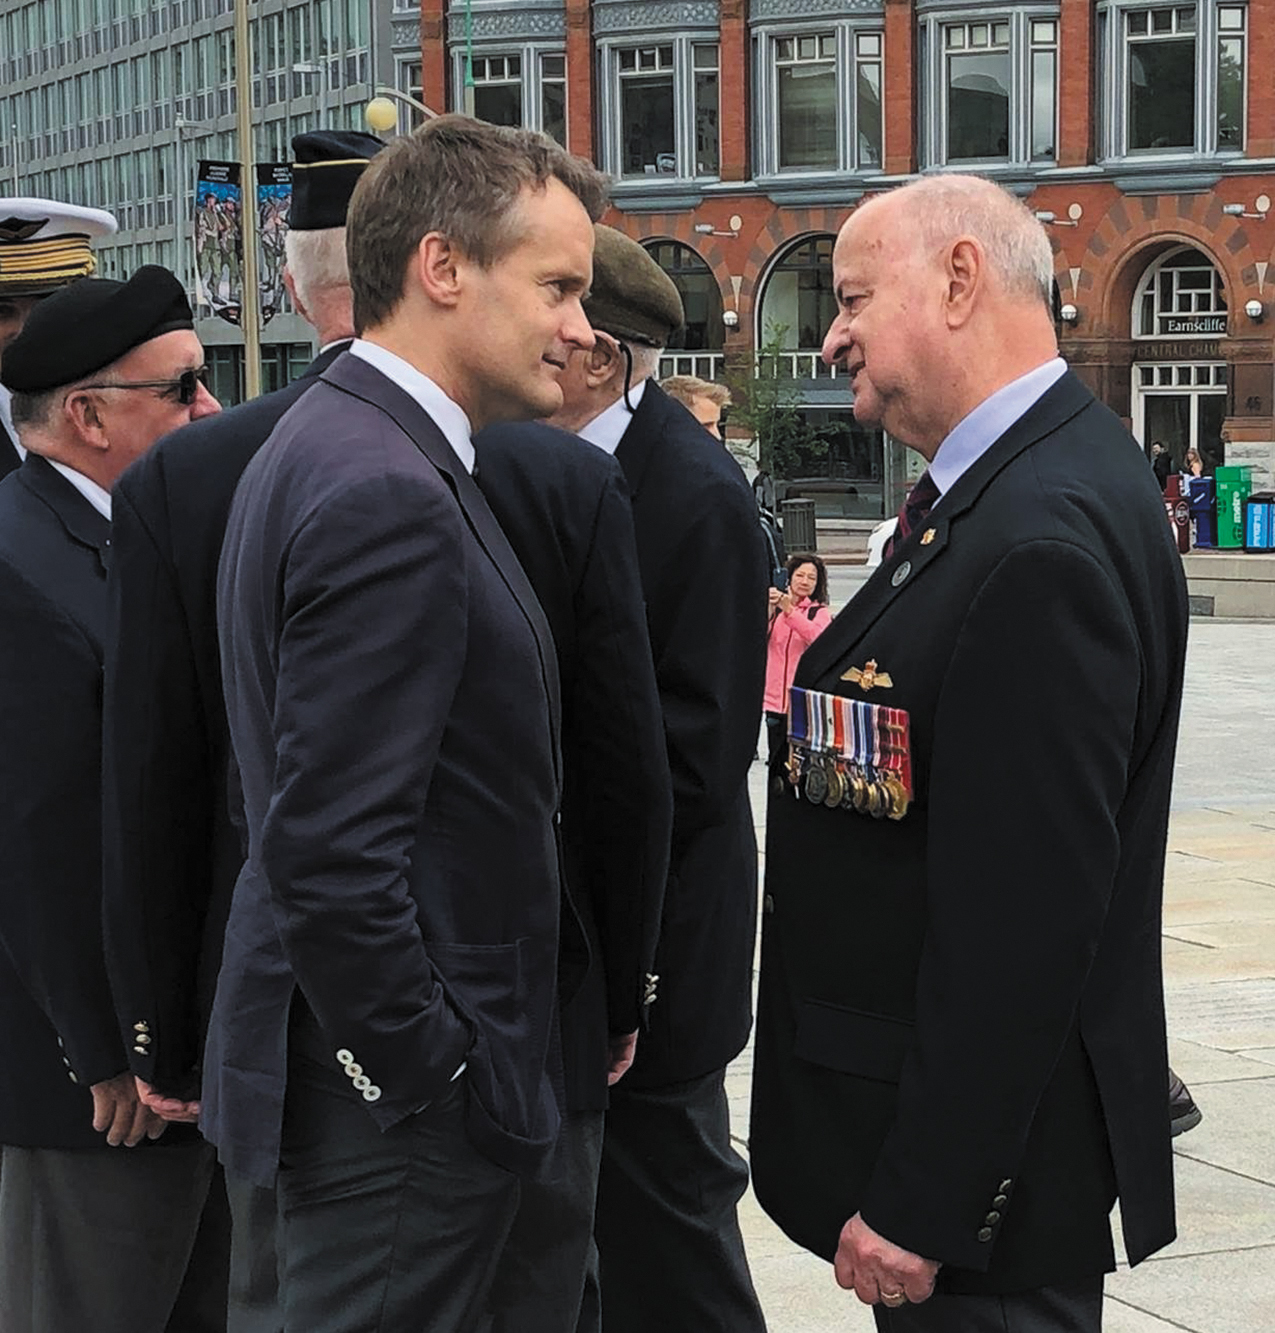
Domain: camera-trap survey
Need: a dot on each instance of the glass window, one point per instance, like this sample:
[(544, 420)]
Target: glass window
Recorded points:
[(798, 301), (978, 89), (498, 89), (707, 155), (701, 296), (867, 119), (553, 97), (647, 144), (1230, 77), (1161, 79), (806, 82)]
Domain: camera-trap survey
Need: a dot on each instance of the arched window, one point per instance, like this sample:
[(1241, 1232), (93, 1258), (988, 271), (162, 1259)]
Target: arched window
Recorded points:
[(701, 296), (1180, 296), (798, 301)]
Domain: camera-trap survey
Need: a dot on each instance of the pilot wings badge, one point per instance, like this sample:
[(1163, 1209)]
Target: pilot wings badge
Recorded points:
[(868, 677)]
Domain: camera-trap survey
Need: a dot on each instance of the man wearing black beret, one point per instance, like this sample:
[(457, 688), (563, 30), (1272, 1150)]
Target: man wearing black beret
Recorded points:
[(669, 1244), (93, 1233), (172, 852)]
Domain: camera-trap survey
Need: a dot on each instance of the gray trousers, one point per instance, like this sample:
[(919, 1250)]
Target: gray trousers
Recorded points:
[(112, 1238), (1075, 1307)]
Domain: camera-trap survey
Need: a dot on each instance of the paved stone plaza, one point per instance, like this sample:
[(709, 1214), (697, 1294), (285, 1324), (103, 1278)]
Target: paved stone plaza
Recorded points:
[(1219, 955)]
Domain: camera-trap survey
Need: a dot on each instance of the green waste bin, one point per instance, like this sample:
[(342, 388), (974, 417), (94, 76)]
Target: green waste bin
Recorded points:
[(798, 519), (1234, 486)]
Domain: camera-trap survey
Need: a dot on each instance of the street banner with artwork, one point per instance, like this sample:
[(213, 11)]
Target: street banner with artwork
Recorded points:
[(219, 239), (274, 196)]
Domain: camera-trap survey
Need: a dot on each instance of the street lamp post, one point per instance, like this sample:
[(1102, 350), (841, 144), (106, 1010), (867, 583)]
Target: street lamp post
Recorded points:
[(250, 308), (380, 114)]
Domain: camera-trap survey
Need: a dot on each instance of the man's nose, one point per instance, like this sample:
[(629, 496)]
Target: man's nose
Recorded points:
[(205, 405), (834, 345), (577, 331)]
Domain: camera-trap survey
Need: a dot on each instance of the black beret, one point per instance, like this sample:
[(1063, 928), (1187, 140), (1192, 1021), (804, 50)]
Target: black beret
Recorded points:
[(90, 324), (326, 167), (632, 297)]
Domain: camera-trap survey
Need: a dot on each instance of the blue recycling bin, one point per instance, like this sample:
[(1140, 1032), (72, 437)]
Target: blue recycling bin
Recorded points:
[(1202, 495), (1259, 511)]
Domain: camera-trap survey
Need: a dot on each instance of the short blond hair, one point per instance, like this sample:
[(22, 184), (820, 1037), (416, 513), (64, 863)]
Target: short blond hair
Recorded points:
[(687, 388)]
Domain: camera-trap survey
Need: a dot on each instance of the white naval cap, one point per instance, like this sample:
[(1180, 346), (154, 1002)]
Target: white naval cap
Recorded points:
[(44, 244)]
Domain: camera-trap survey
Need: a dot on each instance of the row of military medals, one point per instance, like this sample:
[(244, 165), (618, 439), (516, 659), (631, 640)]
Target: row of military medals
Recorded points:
[(849, 754)]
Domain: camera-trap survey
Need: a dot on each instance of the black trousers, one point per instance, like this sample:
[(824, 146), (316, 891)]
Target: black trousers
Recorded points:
[(547, 1280), (670, 1252), (1073, 1308), (395, 1232), (254, 1259), (112, 1238)]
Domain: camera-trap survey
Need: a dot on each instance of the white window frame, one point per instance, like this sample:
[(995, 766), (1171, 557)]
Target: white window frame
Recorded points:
[(934, 109), (1149, 283), (846, 60), (1112, 54), (683, 70)]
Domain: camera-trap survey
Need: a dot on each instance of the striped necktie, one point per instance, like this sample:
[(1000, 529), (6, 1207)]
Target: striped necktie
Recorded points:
[(920, 501)]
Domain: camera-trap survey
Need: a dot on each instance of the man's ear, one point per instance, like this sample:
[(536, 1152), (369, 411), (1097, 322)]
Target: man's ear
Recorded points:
[(966, 273), (603, 361), (436, 265), (81, 408)]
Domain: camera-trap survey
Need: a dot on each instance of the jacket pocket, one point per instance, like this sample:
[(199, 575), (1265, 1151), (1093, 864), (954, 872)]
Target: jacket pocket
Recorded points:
[(868, 1045)]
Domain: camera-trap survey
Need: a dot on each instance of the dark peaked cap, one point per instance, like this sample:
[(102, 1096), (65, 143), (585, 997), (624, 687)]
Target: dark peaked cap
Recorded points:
[(90, 324), (632, 298), (326, 167)]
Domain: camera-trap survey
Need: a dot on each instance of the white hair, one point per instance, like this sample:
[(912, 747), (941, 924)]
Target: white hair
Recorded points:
[(1017, 248), (317, 262), (646, 360)]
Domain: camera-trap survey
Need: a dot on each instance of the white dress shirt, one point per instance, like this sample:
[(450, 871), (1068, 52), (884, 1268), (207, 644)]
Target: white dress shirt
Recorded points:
[(445, 414), (976, 432), (87, 487), (608, 427)]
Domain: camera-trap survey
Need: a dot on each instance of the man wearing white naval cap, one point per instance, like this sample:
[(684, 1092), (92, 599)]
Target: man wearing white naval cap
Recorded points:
[(43, 246)]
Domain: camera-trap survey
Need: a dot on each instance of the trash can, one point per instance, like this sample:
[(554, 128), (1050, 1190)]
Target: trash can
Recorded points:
[(1234, 486), (1178, 509), (798, 519), (1259, 510), (1202, 493)]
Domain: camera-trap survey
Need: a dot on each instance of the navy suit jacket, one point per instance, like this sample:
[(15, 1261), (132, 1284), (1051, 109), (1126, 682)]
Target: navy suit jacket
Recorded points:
[(961, 1022), (9, 458), (565, 508), (392, 696), (704, 575), (55, 1003), (171, 850)]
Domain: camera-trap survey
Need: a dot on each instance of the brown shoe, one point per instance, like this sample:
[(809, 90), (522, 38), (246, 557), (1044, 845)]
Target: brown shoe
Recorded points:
[(1183, 1112)]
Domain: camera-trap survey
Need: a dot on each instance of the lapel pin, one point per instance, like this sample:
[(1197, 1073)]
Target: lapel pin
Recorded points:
[(868, 677), (928, 536)]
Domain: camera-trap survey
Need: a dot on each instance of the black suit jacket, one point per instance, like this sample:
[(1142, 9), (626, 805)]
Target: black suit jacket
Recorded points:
[(392, 694), (171, 850), (565, 508), (961, 1021), (704, 576), (55, 1003)]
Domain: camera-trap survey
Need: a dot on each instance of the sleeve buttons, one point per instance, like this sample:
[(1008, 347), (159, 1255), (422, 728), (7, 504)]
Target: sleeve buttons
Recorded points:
[(344, 1057)]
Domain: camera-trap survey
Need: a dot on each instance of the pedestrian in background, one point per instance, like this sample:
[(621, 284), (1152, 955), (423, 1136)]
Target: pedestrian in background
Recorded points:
[(798, 615)]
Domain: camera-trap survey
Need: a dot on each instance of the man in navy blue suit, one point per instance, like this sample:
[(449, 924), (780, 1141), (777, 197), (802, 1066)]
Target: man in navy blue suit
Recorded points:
[(383, 1035)]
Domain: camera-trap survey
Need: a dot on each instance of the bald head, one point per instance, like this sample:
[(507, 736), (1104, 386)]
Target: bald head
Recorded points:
[(943, 291), (938, 211)]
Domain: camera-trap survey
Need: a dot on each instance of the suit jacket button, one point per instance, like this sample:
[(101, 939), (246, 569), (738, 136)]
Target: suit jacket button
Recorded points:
[(354, 1070), (1004, 1186), (985, 1235), (141, 1050), (344, 1057), (362, 1082), (992, 1218), (1000, 1201), (70, 1073), (372, 1094), (901, 573), (768, 904)]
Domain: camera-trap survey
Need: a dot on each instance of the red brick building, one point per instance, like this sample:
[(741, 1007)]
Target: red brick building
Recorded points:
[(740, 132)]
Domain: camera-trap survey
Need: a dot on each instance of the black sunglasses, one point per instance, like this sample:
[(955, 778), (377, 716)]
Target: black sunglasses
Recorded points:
[(186, 386)]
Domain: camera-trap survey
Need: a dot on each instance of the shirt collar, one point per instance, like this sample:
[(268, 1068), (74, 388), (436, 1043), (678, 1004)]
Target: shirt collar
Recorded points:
[(100, 499), (6, 420), (606, 430), (445, 414), (976, 432)]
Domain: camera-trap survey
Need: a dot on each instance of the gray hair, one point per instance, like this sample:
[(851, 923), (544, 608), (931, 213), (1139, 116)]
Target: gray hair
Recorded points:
[(1017, 248), (646, 359), (317, 262)]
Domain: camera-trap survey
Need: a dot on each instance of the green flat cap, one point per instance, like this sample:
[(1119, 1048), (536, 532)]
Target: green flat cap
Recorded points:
[(632, 297)]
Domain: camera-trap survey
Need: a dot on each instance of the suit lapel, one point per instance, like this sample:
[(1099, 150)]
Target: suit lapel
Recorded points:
[(911, 561), (641, 438), (353, 375), (83, 524)]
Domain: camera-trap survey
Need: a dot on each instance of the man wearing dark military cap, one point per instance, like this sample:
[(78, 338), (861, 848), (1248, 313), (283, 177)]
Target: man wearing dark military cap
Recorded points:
[(671, 1255), (93, 1235), (172, 852), (43, 246)]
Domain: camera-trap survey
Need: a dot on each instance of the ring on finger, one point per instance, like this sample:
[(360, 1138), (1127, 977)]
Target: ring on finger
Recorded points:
[(893, 1298)]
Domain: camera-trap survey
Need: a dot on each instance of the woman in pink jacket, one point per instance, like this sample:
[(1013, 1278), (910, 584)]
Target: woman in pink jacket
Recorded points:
[(798, 615)]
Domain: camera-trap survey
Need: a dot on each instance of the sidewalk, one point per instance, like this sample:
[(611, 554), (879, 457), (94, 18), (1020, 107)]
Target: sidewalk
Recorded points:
[(1219, 956)]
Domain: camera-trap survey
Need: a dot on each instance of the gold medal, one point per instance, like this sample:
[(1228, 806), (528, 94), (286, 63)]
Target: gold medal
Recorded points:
[(816, 782), (836, 787), (899, 804)]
